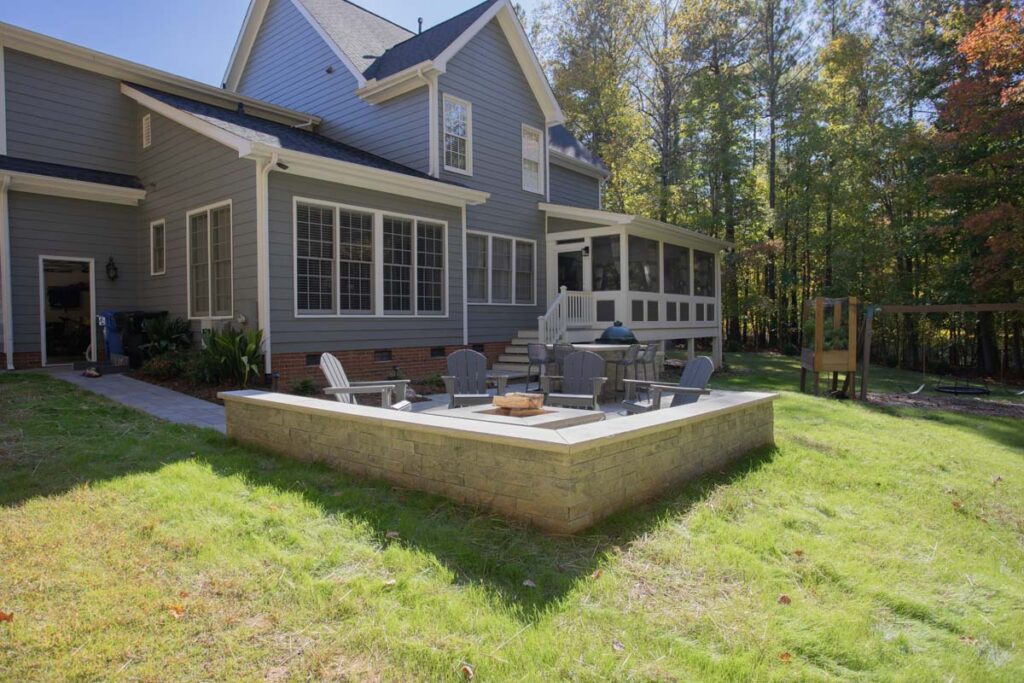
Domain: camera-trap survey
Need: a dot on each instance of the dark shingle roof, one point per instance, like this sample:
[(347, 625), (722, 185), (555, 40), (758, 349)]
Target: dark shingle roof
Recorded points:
[(255, 129), (362, 35), (561, 140), (87, 175), (427, 45)]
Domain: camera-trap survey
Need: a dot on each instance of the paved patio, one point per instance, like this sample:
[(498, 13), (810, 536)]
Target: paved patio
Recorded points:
[(157, 401)]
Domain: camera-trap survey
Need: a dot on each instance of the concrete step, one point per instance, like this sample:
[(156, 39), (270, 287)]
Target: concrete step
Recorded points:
[(528, 334), (513, 368), (516, 358)]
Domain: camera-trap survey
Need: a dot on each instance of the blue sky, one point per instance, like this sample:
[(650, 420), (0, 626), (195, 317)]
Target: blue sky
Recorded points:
[(191, 38)]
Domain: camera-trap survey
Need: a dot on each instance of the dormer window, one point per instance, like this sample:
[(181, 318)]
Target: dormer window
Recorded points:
[(533, 168), (458, 135)]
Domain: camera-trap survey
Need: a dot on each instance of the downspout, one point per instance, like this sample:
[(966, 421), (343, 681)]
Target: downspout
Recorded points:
[(263, 169), (6, 305), (432, 129), (465, 284)]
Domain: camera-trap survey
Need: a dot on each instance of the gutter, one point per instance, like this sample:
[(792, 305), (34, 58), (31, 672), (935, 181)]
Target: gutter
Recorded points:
[(263, 169), (6, 306)]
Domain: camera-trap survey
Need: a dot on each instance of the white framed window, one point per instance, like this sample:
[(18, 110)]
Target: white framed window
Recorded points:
[(147, 131), (157, 248), (458, 135), (355, 262), (533, 155), (208, 251), (500, 270)]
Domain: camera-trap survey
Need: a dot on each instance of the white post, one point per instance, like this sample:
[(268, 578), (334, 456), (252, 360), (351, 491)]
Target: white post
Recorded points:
[(716, 349), (691, 349)]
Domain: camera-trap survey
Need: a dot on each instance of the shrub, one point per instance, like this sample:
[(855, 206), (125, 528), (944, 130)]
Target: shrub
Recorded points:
[(165, 335), (304, 387), (231, 356), (791, 349), (433, 381), (166, 366)]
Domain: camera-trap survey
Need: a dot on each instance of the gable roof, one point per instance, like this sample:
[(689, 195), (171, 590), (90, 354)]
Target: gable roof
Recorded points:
[(425, 46), (564, 143), (361, 34), (261, 131)]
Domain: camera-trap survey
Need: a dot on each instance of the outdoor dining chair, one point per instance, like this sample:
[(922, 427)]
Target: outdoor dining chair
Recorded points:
[(345, 391), (580, 383)]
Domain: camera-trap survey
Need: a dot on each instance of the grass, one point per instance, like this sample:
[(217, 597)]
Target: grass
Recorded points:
[(137, 550)]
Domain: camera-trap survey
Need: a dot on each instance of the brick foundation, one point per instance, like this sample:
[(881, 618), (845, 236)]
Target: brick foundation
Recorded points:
[(23, 360), (412, 363)]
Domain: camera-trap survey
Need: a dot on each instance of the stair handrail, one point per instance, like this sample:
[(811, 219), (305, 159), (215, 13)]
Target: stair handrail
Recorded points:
[(552, 326)]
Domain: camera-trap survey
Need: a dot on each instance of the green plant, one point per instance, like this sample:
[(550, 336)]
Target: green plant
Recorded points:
[(433, 381), (232, 356), (165, 335), (304, 387), (166, 366)]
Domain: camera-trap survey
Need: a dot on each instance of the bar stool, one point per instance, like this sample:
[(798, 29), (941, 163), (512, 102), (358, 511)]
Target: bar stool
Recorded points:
[(621, 365), (649, 357)]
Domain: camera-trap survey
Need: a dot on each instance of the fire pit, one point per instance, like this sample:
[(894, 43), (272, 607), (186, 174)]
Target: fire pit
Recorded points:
[(519, 405), (524, 410)]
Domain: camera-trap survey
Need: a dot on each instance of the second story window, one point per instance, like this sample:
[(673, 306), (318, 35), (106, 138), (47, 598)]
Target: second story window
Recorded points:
[(458, 135), (533, 167)]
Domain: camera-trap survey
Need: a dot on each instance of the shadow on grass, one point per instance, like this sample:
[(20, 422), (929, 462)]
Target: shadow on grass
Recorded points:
[(54, 438)]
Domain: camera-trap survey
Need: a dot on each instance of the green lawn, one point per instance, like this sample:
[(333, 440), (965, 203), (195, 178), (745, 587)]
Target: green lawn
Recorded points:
[(131, 549)]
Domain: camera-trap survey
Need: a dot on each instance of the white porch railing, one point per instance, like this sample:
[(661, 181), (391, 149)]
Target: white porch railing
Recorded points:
[(569, 310)]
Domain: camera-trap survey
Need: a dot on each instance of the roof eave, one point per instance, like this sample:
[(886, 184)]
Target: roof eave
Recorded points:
[(606, 218), (576, 164), (55, 186), (416, 76)]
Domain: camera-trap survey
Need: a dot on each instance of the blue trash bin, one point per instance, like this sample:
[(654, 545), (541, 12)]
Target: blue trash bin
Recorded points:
[(112, 334)]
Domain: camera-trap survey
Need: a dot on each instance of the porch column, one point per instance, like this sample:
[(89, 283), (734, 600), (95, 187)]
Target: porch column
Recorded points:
[(691, 349), (6, 305), (716, 349)]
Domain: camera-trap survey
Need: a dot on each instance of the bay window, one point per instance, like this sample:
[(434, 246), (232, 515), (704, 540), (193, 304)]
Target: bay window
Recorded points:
[(356, 262), (210, 262)]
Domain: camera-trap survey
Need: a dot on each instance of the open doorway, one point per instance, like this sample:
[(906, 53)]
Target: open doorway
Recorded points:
[(67, 309)]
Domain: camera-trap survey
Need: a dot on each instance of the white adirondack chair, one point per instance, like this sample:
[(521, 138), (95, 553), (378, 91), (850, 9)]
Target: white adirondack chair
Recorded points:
[(345, 391)]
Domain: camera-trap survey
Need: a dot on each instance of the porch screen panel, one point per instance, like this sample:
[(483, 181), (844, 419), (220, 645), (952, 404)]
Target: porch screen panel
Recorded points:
[(524, 273), (605, 263), (703, 273), (476, 268), (199, 264), (397, 265), (314, 254), (643, 264), (429, 267), (501, 271), (220, 254), (677, 269), (355, 262)]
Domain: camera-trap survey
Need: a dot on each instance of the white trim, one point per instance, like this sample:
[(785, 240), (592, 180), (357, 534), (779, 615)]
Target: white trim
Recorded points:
[(400, 83), (74, 189), (490, 271), (345, 59), (541, 165), (147, 130), (263, 169), (190, 121), (188, 258), (22, 40), (433, 126), (564, 160), (658, 229), (468, 171), (243, 43), (3, 102), (163, 238), (315, 166), (42, 304), (378, 263), (6, 307), (465, 291)]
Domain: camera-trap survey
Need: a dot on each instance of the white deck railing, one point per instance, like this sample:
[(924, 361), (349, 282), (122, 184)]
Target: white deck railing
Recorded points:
[(569, 310)]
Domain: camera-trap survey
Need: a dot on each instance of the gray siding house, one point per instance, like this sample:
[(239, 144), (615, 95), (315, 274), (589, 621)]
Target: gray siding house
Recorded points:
[(353, 187)]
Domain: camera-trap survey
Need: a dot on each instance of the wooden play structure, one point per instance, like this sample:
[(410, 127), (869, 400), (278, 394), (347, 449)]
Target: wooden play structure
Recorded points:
[(830, 326)]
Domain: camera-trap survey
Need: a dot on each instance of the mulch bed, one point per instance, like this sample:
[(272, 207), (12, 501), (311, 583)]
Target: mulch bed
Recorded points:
[(956, 404)]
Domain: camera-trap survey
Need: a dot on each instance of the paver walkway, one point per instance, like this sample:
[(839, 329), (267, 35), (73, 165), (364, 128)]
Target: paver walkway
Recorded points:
[(157, 401)]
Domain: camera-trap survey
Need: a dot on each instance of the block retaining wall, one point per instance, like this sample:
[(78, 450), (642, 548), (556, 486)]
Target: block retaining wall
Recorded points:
[(561, 481)]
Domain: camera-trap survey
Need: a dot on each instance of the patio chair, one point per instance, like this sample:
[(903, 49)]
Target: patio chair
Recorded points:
[(621, 366), (559, 352), (648, 358), (466, 381), (345, 391), (691, 387), (537, 354), (581, 381)]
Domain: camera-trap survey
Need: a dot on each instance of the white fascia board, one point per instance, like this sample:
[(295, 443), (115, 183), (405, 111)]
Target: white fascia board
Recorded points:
[(357, 175), (38, 45), (190, 121), (574, 164), (345, 59), (74, 189), (244, 42), (406, 80), (670, 230), (574, 213)]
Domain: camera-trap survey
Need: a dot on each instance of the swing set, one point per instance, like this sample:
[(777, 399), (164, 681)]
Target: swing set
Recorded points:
[(947, 383)]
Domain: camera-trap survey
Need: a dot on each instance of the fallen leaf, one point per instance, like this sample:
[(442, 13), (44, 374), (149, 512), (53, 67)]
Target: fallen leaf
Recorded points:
[(467, 671), (183, 594), (957, 505), (786, 657), (597, 574), (617, 646), (177, 611), (996, 480), (529, 583), (970, 640), (389, 583), (785, 599), (392, 534), (6, 616), (401, 499), (798, 552)]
